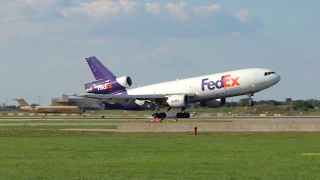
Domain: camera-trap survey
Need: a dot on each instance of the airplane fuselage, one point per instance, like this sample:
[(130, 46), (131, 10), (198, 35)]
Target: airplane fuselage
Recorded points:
[(209, 87), (220, 85)]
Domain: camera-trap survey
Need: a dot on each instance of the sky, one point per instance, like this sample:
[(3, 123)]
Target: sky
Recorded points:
[(44, 43)]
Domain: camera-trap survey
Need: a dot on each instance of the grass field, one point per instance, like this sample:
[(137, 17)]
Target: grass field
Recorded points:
[(33, 153)]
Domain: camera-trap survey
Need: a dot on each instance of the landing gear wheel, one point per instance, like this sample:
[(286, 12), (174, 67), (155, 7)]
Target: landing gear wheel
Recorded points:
[(154, 115), (159, 115), (183, 115), (162, 115), (186, 115)]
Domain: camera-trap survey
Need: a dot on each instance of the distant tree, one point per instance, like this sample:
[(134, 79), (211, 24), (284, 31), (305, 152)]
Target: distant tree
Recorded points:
[(288, 100), (244, 102), (302, 104), (34, 104)]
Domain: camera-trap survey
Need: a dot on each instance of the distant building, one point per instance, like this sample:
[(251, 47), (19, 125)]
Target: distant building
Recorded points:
[(317, 107), (83, 103)]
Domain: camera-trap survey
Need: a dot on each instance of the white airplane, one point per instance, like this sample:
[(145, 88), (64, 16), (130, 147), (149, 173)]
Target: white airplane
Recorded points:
[(208, 90)]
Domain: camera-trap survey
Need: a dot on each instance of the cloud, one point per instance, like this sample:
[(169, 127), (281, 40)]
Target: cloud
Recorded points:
[(154, 8), (207, 10), (243, 15), (97, 41), (40, 4), (305, 78), (309, 58), (125, 18), (177, 10), (158, 55), (101, 10)]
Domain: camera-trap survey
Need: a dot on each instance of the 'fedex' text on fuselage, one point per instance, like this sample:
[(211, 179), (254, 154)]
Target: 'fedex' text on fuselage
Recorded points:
[(224, 82)]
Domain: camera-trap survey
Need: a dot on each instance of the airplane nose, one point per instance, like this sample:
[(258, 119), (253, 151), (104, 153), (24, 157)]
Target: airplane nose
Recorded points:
[(278, 78)]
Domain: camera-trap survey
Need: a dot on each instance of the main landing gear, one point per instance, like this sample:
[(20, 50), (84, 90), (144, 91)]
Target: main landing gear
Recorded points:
[(162, 115), (183, 114), (159, 114)]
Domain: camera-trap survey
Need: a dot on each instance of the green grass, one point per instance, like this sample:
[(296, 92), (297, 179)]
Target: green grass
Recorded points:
[(54, 154)]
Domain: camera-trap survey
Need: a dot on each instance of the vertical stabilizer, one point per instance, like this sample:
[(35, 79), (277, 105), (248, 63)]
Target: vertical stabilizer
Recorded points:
[(99, 70), (22, 102)]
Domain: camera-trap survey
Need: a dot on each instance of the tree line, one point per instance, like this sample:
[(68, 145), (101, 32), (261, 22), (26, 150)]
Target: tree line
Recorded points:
[(299, 104)]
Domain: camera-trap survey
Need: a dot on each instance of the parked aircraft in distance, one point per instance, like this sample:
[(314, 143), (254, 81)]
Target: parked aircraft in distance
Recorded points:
[(48, 109), (208, 90)]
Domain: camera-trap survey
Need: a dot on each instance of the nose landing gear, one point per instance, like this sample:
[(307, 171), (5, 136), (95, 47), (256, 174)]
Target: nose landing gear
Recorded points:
[(250, 99), (159, 114)]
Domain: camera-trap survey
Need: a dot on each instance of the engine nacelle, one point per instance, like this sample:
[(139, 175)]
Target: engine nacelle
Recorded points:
[(148, 105), (178, 101), (124, 81), (215, 103), (107, 86)]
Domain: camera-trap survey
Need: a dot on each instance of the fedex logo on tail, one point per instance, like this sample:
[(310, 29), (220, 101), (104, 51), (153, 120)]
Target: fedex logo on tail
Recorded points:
[(225, 81), (104, 86)]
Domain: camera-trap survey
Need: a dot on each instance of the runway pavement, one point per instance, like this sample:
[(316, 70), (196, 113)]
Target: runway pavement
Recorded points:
[(231, 118), (283, 123)]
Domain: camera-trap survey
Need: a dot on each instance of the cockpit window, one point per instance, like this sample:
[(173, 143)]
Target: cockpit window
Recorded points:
[(268, 73)]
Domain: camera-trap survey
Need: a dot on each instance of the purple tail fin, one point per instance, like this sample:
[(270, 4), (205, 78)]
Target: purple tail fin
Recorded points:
[(99, 70)]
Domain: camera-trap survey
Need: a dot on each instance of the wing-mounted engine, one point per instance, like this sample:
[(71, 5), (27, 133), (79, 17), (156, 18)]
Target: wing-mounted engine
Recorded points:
[(215, 103), (147, 105), (108, 86), (178, 101)]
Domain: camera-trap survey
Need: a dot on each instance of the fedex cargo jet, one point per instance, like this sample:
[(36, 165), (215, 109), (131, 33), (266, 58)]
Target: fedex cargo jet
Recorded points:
[(208, 90)]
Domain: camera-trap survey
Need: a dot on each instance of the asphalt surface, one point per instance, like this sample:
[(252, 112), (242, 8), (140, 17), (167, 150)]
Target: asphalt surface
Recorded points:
[(232, 118)]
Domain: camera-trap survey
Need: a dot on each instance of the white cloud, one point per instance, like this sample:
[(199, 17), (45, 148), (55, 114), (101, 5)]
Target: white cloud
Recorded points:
[(38, 4), (305, 78), (29, 2), (154, 8), (21, 30), (177, 10), (128, 6), (235, 33), (97, 41), (159, 54), (22, 18), (101, 9), (207, 10), (10, 12), (243, 15)]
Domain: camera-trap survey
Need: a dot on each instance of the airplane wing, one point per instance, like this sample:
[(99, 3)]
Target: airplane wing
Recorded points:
[(125, 98)]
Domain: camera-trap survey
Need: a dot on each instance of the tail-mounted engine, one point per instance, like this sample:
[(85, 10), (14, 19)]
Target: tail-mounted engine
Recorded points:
[(108, 86), (215, 103)]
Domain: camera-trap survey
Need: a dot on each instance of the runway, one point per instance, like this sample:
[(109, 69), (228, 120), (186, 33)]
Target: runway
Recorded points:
[(204, 124), (195, 118)]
